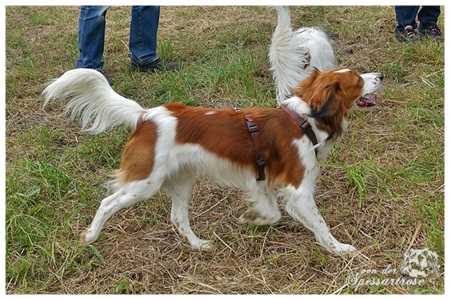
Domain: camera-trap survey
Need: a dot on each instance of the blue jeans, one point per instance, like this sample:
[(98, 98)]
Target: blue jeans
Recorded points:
[(406, 15), (91, 35)]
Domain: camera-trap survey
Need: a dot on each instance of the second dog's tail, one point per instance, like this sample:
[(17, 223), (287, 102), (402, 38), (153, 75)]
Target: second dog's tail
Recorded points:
[(93, 101), (286, 56)]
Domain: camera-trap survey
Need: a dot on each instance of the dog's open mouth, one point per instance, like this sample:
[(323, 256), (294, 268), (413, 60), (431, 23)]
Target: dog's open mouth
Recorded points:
[(367, 100)]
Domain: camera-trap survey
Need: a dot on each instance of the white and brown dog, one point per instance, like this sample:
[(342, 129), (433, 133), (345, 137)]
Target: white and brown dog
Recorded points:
[(258, 149)]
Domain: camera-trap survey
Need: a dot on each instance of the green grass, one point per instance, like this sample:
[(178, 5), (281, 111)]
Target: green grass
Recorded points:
[(378, 184)]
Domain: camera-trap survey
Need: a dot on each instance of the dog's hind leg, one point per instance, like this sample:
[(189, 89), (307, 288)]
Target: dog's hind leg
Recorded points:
[(125, 196), (179, 187)]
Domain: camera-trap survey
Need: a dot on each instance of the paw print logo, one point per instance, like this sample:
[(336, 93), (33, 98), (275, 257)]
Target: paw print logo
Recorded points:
[(420, 262)]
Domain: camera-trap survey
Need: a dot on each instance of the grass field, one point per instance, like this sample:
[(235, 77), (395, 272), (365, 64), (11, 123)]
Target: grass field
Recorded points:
[(381, 189)]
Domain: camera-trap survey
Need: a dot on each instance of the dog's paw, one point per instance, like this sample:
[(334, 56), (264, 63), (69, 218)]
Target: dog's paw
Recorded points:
[(202, 245), (252, 217), (248, 216), (87, 237), (339, 248)]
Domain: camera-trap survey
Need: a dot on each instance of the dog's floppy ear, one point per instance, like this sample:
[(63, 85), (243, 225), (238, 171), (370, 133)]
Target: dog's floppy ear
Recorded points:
[(320, 93), (325, 104)]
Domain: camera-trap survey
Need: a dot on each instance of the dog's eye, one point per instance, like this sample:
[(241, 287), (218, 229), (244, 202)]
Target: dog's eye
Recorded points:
[(360, 80)]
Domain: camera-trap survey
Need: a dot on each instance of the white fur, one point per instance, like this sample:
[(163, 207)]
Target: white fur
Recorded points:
[(372, 82), (294, 54), (89, 89), (342, 71)]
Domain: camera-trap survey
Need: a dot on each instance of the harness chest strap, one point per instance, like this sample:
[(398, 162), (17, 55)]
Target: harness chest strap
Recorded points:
[(303, 124), (260, 161)]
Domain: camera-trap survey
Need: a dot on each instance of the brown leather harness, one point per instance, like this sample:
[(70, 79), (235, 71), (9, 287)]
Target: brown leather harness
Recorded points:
[(253, 129), (302, 123), (259, 159)]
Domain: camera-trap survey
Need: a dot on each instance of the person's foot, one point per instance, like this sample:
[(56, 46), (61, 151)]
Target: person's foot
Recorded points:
[(408, 35), (155, 66), (431, 31)]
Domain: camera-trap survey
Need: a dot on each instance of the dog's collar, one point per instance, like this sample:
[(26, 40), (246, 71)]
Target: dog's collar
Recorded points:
[(302, 123)]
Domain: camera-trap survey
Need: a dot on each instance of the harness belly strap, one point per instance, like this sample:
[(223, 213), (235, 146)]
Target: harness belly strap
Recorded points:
[(260, 162)]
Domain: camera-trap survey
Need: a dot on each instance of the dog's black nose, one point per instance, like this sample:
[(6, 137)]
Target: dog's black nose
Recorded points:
[(380, 76)]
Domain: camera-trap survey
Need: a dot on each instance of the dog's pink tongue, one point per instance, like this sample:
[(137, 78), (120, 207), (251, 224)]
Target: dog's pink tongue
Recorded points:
[(367, 102)]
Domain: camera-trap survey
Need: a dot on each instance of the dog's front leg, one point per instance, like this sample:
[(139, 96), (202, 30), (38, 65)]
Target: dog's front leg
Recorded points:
[(302, 207)]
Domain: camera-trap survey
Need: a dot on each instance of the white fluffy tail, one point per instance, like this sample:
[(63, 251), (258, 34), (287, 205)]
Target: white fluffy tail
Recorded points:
[(317, 44), (294, 54), (93, 100), (286, 57)]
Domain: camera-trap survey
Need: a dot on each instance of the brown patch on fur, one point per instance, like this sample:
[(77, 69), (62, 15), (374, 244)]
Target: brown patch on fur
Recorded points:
[(138, 154), (330, 95), (224, 133)]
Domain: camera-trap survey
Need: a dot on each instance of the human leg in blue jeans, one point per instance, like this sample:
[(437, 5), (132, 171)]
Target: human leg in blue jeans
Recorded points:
[(428, 15), (143, 34), (91, 36), (406, 15), (406, 29), (143, 38)]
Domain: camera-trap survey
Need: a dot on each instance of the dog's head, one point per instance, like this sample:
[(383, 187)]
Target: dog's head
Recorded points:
[(332, 94), (372, 85)]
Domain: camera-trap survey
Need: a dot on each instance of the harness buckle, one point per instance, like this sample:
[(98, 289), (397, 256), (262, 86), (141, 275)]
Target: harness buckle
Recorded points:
[(251, 124)]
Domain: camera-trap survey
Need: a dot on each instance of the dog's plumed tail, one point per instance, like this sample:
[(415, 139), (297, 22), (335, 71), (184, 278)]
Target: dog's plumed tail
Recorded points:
[(286, 58), (93, 101), (293, 55)]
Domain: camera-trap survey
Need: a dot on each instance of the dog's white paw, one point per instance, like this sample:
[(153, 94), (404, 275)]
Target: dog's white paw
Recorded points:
[(87, 237), (252, 217), (202, 245), (341, 248)]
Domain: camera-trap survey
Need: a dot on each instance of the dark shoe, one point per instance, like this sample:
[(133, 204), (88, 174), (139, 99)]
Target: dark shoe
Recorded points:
[(155, 66), (408, 35), (431, 31)]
